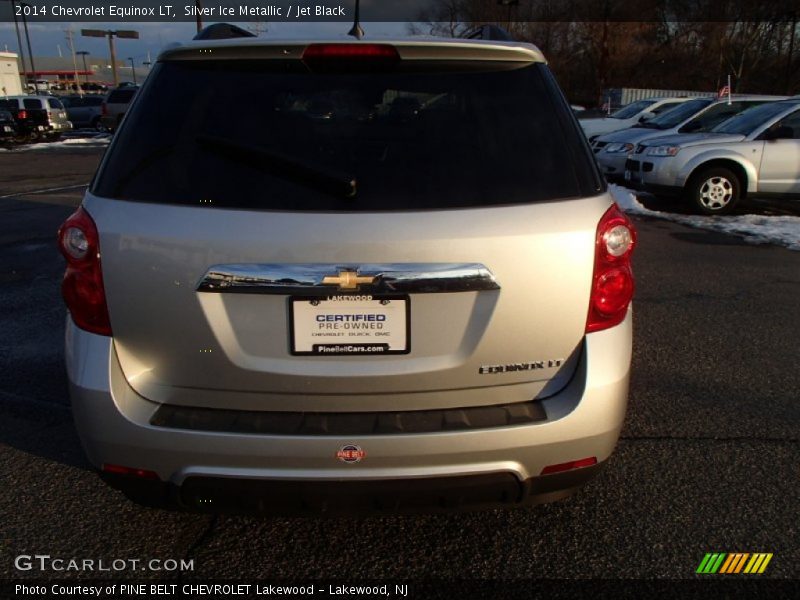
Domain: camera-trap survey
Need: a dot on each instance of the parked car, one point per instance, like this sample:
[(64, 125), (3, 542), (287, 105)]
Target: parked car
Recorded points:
[(8, 127), (84, 111), (755, 153), (280, 313), (37, 117), (627, 116), (695, 116), (90, 87), (116, 102)]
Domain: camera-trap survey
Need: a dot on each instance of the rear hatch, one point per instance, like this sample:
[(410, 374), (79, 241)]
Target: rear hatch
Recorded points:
[(425, 241), (56, 112)]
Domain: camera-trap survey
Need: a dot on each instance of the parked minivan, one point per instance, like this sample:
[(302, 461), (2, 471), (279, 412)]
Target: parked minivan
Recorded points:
[(39, 118)]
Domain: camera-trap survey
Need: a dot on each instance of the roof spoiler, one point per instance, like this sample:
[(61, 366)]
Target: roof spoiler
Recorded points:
[(222, 31), (489, 32)]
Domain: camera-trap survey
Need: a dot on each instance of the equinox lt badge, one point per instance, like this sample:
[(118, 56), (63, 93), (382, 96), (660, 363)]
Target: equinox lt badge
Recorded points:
[(526, 366)]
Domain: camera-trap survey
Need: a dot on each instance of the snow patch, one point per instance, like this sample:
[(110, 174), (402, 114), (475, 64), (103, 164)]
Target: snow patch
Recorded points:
[(755, 229)]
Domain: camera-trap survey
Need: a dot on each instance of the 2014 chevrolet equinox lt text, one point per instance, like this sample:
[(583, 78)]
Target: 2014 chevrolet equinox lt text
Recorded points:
[(395, 282)]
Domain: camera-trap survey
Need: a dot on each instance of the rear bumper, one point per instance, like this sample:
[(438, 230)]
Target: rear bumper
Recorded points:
[(309, 497), (273, 473)]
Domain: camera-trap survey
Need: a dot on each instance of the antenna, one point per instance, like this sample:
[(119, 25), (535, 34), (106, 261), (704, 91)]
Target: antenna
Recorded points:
[(356, 31)]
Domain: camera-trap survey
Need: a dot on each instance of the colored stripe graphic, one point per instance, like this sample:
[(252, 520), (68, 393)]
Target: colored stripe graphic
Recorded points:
[(703, 563), (729, 562), (734, 562)]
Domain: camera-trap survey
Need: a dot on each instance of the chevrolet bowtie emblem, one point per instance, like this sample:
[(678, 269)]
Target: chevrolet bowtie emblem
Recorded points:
[(347, 280)]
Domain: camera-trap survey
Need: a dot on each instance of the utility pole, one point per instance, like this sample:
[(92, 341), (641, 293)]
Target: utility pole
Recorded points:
[(199, 6), (127, 33), (23, 78), (30, 51), (74, 62)]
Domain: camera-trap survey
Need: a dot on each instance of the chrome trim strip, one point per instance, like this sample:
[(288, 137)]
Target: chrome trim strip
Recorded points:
[(310, 279)]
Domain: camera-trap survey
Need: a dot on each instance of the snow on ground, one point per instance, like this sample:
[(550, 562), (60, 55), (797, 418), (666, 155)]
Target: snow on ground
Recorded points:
[(85, 142), (756, 229)]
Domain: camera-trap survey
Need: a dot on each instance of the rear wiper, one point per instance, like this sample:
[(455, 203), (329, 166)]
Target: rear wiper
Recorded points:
[(298, 170)]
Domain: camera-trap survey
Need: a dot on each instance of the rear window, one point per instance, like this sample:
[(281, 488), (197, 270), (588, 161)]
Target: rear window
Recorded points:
[(55, 103), (8, 104), (270, 135), (121, 96), (32, 104)]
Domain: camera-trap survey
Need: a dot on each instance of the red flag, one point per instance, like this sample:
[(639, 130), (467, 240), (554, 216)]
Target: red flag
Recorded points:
[(724, 91)]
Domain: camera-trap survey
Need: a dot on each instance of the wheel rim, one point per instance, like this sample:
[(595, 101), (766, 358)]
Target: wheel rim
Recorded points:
[(716, 193)]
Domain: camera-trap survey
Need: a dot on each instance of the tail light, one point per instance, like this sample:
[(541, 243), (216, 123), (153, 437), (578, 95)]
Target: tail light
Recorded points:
[(23, 114), (82, 286), (612, 281)]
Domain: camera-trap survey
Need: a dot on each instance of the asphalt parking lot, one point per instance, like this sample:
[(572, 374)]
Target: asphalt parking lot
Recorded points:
[(708, 460)]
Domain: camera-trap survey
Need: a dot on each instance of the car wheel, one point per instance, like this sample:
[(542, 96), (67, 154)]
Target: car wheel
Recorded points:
[(714, 191)]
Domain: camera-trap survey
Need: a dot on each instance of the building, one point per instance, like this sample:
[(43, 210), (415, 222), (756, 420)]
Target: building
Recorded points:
[(61, 70), (10, 82)]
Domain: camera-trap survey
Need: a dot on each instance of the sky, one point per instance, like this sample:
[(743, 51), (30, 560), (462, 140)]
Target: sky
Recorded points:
[(47, 37)]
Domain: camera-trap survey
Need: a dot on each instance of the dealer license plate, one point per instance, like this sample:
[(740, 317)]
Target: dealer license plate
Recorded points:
[(349, 324)]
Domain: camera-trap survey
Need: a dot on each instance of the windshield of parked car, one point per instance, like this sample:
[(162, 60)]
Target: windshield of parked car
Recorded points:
[(748, 121), (272, 135), (631, 110), (676, 116)]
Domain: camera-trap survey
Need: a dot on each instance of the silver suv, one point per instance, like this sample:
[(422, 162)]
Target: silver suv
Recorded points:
[(381, 309), (698, 115), (755, 153)]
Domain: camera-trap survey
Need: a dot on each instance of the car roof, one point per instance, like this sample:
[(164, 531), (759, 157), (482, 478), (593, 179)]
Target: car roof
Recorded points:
[(410, 48)]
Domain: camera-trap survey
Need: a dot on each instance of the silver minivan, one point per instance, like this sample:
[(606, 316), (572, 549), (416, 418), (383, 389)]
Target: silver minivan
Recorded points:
[(382, 309)]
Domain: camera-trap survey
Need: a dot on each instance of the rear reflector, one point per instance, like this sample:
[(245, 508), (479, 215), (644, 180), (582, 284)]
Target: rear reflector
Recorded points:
[(130, 471), (320, 51), (569, 466)]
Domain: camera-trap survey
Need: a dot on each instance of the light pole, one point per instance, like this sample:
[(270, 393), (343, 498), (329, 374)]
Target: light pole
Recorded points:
[(83, 54), (126, 33), (133, 69), (24, 79), (30, 52)]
